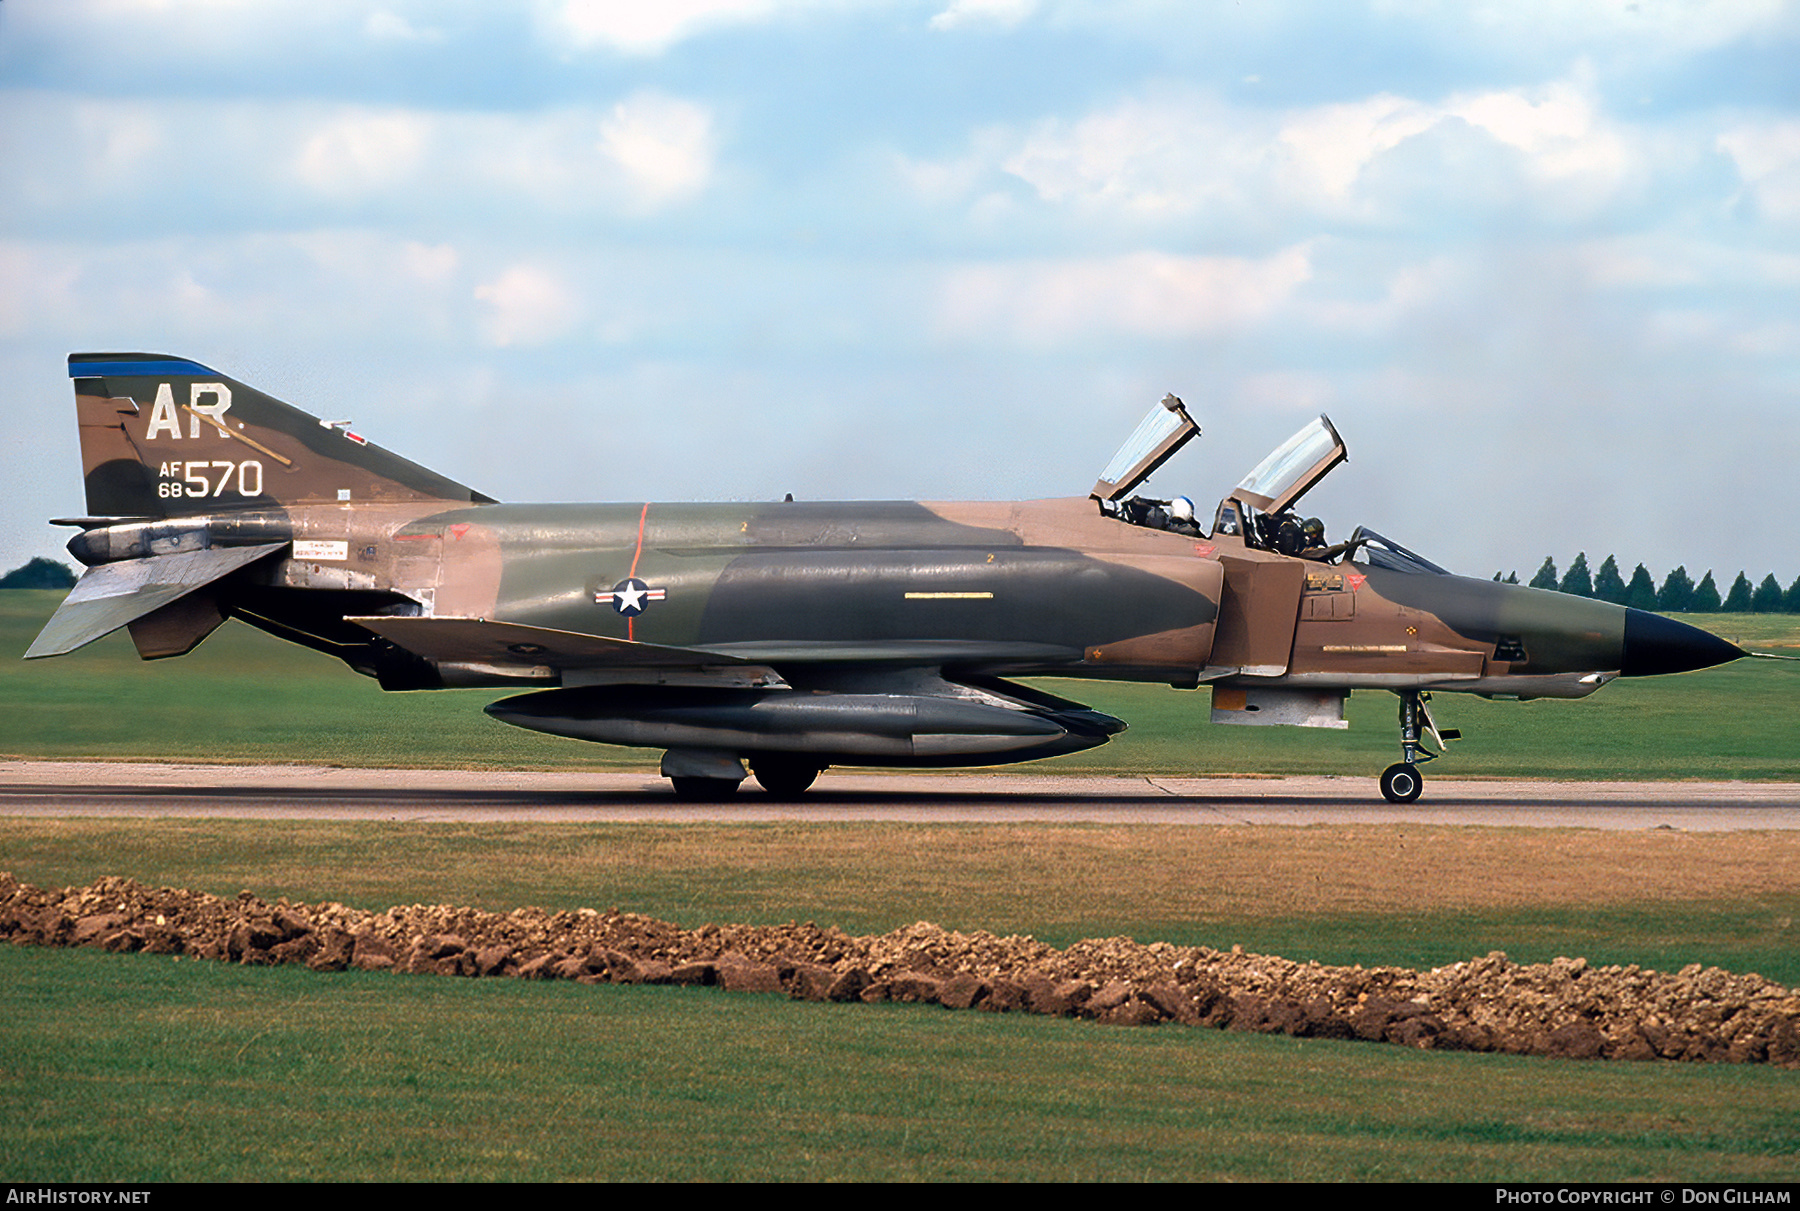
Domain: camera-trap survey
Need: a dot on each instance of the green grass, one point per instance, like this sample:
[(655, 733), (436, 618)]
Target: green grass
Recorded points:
[(133, 1068), (243, 696)]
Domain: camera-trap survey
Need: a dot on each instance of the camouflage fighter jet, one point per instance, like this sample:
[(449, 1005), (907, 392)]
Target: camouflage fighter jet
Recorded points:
[(794, 635)]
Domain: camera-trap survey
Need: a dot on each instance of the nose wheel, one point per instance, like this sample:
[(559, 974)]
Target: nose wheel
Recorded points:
[(1402, 783)]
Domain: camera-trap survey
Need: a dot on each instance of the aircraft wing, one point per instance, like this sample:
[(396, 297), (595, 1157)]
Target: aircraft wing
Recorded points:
[(112, 595), (479, 641)]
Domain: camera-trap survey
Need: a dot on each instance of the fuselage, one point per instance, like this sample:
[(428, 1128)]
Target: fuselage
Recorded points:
[(1047, 587)]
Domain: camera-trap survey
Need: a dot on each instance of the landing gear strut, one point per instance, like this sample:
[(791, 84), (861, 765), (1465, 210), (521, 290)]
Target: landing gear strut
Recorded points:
[(1402, 783)]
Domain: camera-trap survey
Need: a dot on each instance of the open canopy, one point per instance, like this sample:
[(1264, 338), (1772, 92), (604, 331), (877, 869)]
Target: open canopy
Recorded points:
[(1155, 440)]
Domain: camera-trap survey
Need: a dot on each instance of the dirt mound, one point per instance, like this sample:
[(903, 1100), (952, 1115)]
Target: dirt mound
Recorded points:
[(1565, 1008)]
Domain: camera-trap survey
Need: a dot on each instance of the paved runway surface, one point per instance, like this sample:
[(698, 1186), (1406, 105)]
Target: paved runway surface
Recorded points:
[(325, 793)]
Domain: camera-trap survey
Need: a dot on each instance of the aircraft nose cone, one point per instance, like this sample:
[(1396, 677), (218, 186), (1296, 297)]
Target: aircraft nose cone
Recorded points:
[(1654, 644)]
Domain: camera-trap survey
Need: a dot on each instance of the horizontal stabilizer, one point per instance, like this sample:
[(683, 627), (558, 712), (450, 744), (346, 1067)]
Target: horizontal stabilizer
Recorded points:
[(114, 594), (478, 641)]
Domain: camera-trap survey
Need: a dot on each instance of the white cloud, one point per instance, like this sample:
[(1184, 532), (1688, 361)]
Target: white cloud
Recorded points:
[(664, 145), (358, 150), (649, 27), (1559, 129), (1142, 155), (1673, 28), (1767, 156), (1003, 13), (430, 263), (73, 159), (1331, 145), (386, 26), (1551, 148), (1410, 290), (530, 306), (1145, 294)]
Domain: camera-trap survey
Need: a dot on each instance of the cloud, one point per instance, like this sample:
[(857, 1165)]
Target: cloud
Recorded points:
[(1145, 294), (1662, 28), (297, 162), (1165, 157), (635, 27), (664, 145), (530, 306), (1002, 13), (1767, 156), (1155, 156), (357, 151), (386, 26)]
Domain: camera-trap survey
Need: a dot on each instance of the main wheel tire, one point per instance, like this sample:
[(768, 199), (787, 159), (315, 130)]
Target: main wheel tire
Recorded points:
[(1401, 783), (704, 790), (785, 779)]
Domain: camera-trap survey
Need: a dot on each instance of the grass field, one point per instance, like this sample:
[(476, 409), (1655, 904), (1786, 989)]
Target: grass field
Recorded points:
[(138, 1068), (134, 1068), (151, 1069), (243, 696)]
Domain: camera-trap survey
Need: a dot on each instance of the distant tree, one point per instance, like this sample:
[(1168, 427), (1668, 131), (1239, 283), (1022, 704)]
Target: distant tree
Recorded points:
[(40, 573), (1577, 581), (1513, 578), (1640, 594), (1706, 596), (1677, 593), (1767, 598), (1608, 584), (1546, 575), (1738, 600), (1791, 604)]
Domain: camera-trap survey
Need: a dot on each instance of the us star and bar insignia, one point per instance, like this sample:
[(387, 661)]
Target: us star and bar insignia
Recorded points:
[(630, 596)]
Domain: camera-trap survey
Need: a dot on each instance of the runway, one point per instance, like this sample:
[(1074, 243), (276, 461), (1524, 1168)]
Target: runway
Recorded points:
[(295, 792)]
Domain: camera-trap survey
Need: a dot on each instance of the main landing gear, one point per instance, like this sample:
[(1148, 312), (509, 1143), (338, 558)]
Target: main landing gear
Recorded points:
[(713, 775), (1402, 783)]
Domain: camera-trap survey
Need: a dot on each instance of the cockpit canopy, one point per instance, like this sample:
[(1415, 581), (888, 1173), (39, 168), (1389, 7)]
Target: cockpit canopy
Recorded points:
[(1292, 468), (1151, 444), (1260, 508)]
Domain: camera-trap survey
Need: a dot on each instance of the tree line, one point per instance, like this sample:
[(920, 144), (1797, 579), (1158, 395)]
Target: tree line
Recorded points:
[(1678, 594), (40, 573)]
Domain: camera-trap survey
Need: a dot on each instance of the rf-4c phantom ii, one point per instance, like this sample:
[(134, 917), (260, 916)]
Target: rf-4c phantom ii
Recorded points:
[(795, 635)]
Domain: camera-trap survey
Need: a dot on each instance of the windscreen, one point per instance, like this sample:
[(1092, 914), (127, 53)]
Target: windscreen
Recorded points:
[(1382, 552)]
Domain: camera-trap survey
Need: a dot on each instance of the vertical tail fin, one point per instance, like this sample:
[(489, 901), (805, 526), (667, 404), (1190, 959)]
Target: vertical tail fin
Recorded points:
[(164, 437)]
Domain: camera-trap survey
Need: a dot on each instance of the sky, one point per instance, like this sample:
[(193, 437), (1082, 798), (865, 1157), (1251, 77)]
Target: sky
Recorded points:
[(1538, 261)]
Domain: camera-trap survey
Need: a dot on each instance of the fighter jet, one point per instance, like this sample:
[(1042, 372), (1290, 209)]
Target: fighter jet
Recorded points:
[(796, 636)]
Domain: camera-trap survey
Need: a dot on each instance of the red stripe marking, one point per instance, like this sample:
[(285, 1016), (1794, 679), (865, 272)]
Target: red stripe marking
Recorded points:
[(630, 628)]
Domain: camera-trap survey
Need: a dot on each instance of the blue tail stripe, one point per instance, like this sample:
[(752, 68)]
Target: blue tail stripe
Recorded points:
[(156, 369)]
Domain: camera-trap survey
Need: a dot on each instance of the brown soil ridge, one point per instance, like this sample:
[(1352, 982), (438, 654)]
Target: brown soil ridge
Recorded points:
[(1566, 1008)]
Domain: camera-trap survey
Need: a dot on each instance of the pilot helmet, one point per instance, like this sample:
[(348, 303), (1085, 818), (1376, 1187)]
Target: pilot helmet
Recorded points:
[(1181, 509)]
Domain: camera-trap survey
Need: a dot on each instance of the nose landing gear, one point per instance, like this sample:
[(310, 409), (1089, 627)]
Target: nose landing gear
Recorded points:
[(1402, 783)]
